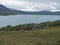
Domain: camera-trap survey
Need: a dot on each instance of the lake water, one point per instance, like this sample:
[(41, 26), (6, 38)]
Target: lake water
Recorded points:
[(22, 19)]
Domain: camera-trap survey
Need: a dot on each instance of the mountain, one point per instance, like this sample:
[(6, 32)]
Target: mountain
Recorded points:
[(7, 11), (4, 10), (40, 13)]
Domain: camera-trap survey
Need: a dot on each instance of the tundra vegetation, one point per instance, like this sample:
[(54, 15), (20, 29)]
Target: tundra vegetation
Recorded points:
[(45, 33), (31, 26)]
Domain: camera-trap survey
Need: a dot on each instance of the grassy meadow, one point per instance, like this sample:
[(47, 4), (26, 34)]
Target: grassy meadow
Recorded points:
[(50, 36)]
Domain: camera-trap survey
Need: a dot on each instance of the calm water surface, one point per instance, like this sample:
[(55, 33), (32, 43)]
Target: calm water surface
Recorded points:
[(22, 19)]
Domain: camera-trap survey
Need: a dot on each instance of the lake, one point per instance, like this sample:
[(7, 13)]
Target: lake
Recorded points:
[(24, 19)]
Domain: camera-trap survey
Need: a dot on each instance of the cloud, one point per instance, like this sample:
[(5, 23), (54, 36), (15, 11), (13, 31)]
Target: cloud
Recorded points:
[(32, 5), (53, 5)]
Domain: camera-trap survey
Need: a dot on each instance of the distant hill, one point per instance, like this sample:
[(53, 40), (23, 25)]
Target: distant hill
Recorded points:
[(4, 10), (7, 11)]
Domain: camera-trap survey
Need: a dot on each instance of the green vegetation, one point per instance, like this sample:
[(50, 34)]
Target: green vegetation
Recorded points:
[(47, 33), (50, 36), (31, 26)]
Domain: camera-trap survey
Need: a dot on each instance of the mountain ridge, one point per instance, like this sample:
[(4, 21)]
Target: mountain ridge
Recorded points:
[(5, 10)]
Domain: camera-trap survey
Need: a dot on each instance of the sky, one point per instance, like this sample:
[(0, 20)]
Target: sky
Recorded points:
[(32, 5)]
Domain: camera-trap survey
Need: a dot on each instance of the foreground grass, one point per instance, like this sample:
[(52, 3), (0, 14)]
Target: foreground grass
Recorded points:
[(49, 36)]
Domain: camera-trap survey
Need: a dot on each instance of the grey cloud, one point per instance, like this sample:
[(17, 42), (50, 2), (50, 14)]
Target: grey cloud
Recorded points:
[(35, 4), (57, 6), (46, 1)]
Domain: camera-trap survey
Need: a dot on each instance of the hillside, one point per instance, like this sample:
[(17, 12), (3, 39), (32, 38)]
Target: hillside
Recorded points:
[(4, 10), (42, 34), (7, 11), (31, 37)]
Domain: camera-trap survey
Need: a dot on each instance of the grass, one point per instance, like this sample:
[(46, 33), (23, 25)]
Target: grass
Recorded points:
[(49, 36)]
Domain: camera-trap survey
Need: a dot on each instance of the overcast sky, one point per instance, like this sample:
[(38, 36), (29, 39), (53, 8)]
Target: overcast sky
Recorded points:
[(32, 5)]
